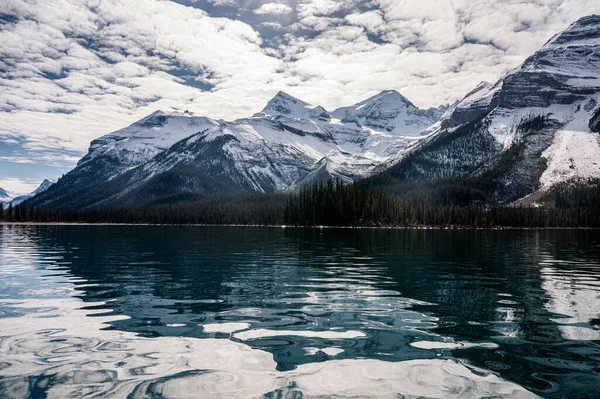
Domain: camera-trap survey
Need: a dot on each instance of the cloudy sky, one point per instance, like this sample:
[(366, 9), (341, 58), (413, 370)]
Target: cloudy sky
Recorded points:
[(73, 70)]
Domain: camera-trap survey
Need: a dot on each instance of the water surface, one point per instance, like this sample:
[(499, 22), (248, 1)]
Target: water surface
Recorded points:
[(147, 311)]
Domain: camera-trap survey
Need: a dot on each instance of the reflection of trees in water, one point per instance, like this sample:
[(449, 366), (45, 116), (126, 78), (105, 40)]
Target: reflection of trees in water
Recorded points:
[(158, 275)]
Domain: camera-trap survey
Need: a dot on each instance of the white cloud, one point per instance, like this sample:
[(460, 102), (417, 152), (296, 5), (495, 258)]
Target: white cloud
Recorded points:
[(370, 20), (231, 3), (318, 24), (17, 160), (273, 9), (73, 70), (307, 8), (272, 25), (18, 186), (137, 44)]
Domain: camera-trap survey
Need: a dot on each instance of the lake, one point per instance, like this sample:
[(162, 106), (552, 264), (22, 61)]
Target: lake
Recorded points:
[(176, 312)]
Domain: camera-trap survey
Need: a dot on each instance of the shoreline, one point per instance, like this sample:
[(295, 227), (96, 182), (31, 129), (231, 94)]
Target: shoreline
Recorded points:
[(4, 223)]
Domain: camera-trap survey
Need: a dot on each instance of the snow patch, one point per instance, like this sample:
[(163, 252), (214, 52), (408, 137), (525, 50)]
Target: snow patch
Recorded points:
[(575, 153)]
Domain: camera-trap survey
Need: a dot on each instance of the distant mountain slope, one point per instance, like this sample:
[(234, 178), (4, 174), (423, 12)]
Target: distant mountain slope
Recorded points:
[(45, 185), (8, 199), (534, 128), (171, 157), (5, 197)]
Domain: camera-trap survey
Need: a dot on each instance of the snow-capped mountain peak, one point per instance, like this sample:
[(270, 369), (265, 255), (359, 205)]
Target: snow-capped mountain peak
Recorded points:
[(44, 186), (15, 200), (288, 106), (571, 56), (290, 142), (387, 98), (319, 113), (583, 32), (147, 137), (389, 111), (531, 130)]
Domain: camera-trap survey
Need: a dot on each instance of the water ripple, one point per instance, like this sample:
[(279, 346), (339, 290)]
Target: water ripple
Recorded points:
[(89, 311)]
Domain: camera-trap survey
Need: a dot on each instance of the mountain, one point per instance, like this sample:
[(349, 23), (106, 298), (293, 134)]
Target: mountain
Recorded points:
[(536, 127), (291, 107), (22, 198), (5, 197), (389, 111), (174, 157)]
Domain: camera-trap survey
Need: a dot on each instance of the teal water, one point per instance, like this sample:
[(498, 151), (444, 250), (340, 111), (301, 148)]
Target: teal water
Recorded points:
[(150, 312)]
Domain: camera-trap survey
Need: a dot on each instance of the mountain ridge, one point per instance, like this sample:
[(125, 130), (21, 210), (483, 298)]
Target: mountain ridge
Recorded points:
[(15, 200), (512, 138), (290, 142), (525, 133)]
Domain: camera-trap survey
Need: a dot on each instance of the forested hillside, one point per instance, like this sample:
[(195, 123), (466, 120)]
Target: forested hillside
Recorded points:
[(449, 204)]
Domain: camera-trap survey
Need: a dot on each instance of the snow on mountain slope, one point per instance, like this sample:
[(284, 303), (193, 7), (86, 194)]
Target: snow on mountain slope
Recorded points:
[(560, 82), (564, 71), (475, 104), (574, 153), (256, 155), (289, 143), (45, 185), (387, 111), (144, 139), (5, 197), (529, 131), (289, 106), (378, 127)]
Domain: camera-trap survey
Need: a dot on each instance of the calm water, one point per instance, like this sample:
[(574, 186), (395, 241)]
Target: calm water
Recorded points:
[(113, 311)]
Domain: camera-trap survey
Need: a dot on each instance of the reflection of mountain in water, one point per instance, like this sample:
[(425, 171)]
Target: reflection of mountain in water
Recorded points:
[(496, 294)]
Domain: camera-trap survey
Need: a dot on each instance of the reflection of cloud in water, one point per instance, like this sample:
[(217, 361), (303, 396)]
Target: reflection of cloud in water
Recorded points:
[(451, 345), (262, 333), (75, 357), (573, 294), (225, 328)]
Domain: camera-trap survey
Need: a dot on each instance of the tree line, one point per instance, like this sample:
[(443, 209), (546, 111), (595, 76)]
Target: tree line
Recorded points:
[(445, 205), (336, 204)]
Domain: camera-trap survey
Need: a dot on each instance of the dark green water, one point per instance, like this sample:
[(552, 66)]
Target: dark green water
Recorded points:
[(98, 311)]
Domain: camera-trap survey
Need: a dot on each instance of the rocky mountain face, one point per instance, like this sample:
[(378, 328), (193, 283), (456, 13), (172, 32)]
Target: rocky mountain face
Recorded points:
[(172, 157), (535, 127)]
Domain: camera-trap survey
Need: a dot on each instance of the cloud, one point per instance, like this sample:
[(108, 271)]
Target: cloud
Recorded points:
[(309, 8), (71, 70), (17, 160), (273, 9), (18, 186), (433, 52), (220, 3), (272, 25), (372, 21)]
